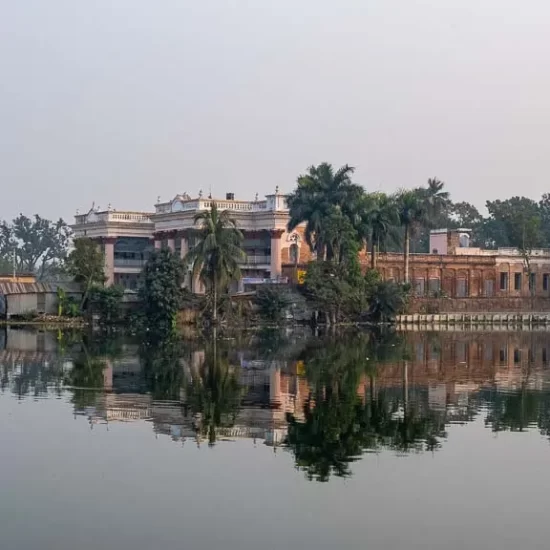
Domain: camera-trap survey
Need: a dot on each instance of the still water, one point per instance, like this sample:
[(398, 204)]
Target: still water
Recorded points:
[(275, 440)]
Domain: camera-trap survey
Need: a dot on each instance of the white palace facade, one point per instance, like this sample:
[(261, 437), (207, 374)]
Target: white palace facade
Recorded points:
[(127, 238)]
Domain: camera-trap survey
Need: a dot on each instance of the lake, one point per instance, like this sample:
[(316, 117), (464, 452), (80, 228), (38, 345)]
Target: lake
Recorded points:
[(275, 439)]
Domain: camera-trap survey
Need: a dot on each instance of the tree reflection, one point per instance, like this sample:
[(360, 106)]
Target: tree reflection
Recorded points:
[(161, 359), (213, 391), (343, 419)]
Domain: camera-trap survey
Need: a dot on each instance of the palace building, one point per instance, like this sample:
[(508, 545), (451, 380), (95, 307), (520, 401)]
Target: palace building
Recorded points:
[(127, 238), (452, 269)]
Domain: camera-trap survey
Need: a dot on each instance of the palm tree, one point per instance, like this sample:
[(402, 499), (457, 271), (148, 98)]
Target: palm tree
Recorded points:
[(412, 215), (317, 194), (215, 258), (437, 200), (383, 219)]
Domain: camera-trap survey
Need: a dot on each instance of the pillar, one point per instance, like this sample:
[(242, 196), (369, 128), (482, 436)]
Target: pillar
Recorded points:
[(158, 241), (109, 244), (171, 241), (184, 244), (276, 263), (184, 249), (275, 393)]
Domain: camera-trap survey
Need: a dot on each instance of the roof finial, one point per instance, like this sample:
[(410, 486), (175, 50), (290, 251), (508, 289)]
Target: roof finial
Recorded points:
[(158, 199), (256, 198), (277, 190), (200, 194)]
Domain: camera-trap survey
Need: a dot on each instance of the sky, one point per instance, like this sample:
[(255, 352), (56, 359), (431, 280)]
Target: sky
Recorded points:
[(123, 101)]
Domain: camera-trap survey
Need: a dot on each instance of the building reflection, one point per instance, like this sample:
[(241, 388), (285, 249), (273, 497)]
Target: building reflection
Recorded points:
[(443, 378)]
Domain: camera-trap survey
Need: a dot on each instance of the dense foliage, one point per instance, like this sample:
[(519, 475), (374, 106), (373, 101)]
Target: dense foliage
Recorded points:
[(38, 245), (161, 290), (87, 265), (216, 254)]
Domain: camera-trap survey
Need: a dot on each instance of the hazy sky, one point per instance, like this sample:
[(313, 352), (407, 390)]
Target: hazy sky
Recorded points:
[(123, 100)]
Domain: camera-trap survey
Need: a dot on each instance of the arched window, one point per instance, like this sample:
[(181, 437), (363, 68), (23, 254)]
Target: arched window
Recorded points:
[(294, 253)]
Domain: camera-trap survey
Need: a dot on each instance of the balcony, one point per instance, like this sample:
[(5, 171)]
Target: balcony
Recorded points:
[(256, 260), (130, 262)]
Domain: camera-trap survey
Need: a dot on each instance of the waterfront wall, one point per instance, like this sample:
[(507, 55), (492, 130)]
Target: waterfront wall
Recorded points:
[(498, 304)]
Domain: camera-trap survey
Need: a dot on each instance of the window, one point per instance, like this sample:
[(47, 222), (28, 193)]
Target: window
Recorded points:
[(544, 356), (517, 356), (293, 253), (489, 288), (461, 288), (517, 281), (545, 281), (488, 352), (504, 281), (461, 352), (434, 286), (503, 355), (419, 287)]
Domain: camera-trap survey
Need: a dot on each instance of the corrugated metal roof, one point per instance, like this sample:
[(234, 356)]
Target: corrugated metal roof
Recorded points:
[(37, 288)]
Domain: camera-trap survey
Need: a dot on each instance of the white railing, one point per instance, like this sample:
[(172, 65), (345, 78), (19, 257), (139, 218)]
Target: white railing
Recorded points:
[(256, 260), (129, 262), (113, 216), (236, 206)]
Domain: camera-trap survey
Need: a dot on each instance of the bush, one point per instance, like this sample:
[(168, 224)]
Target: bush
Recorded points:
[(273, 302), (106, 302)]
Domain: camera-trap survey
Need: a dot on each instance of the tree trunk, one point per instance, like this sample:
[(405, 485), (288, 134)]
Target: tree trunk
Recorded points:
[(215, 303), (374, 255), (407, 252)]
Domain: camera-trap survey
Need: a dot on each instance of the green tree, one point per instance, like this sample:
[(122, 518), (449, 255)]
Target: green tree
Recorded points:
[(38, 244), (272, 302), (317, 195), (106, 302), (217, 253), (412, 216), (437, 199), (161, 290), (86, 264), (383, 221)]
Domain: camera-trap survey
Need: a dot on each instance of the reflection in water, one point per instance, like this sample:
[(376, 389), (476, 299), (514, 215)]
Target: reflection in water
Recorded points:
[(325, 400)]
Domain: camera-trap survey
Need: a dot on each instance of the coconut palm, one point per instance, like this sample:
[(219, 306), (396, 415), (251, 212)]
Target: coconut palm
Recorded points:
[(317, 194), (383, 219), (437, 200), (412, 216), (215, 257)]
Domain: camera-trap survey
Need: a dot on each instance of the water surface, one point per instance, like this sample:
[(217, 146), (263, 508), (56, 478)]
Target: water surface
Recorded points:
[(278, 440)]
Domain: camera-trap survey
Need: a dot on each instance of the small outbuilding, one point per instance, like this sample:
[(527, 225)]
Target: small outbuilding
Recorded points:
[(20, 299)]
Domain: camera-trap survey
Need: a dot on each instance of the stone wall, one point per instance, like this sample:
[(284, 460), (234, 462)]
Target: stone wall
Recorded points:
[(477, 305)]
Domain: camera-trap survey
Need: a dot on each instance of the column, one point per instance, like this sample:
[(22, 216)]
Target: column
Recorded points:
[(275, 393), (184, 244), (109, 244), (171, 241), (276, 264), (183, 253), (158, 240)]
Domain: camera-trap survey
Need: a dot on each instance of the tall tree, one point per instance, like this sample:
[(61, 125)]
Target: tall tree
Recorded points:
[(437, 199), (36, 242), (86, 264), (317, 194), (412, 216), (160, 292), (383, 219), (216, 255)]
